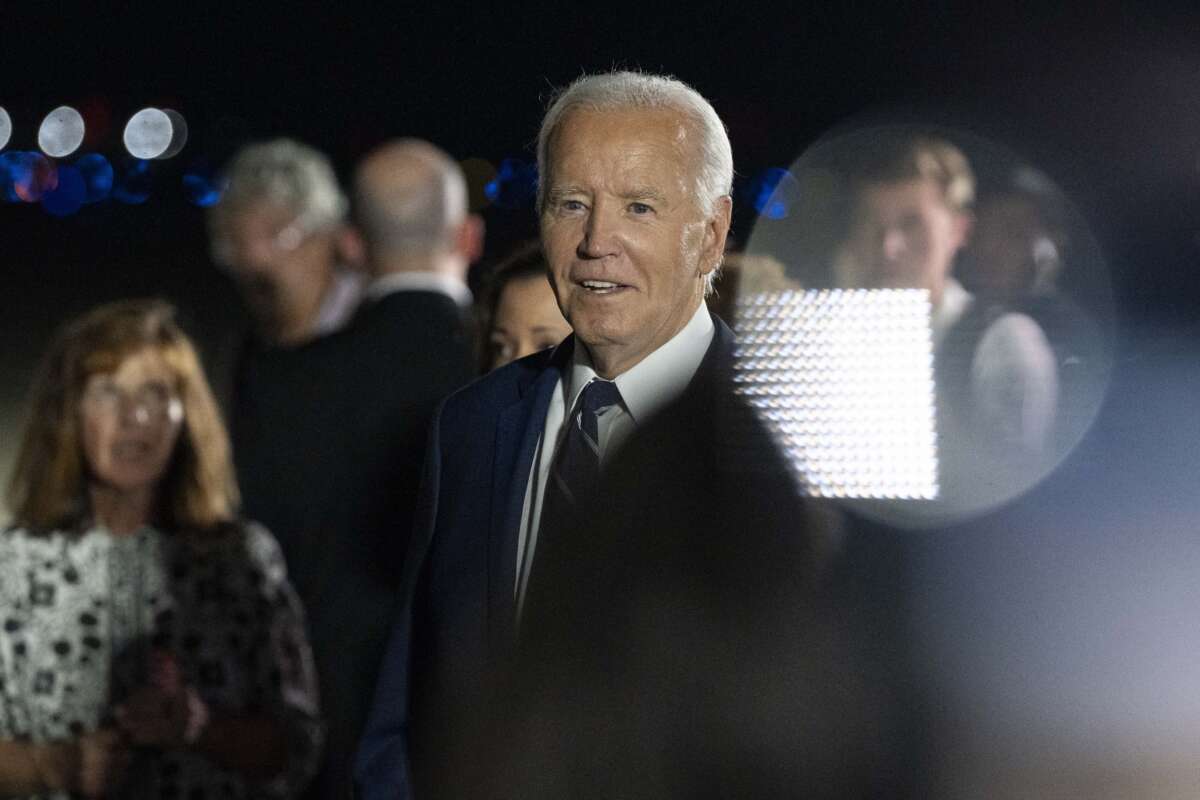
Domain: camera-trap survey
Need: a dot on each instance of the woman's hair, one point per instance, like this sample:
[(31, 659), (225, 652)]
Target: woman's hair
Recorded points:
[(525, 261), (48, 490)]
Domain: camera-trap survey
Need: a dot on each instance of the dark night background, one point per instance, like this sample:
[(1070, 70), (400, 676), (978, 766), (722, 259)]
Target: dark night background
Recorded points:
[(1105, 99)]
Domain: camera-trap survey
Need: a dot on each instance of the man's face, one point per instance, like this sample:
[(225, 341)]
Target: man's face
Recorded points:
[(278, 266), (904, 236), (627, 242)]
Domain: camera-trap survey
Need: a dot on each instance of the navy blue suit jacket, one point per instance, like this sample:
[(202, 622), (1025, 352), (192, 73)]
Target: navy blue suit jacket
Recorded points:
[(457, 626)]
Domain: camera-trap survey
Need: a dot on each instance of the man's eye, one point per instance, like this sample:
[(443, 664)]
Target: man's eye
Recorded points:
[(571, 205), (640, 208)]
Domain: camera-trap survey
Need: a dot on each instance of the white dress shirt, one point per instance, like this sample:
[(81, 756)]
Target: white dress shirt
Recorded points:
[(440, 282), (1014, 374), (646, 388)]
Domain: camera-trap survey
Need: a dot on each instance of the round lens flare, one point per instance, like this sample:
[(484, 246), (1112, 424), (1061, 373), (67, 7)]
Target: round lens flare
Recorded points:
[(947, 338), (61, 132), (134, 183), (514, 185), (68, 196), (27, 176), (5, 128), (97, 174), (155, 133)]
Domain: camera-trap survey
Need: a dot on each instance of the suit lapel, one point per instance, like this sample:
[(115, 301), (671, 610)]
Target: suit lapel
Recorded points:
[(517, 432)]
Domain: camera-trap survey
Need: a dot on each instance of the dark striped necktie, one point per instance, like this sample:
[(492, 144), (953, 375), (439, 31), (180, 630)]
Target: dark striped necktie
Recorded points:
[(575, 471)]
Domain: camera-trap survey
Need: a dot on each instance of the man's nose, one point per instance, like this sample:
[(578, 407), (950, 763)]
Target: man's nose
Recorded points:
[(600, 232)]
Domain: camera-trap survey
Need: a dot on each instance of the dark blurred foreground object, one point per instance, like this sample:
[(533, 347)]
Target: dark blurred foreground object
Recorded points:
[(708, 634)]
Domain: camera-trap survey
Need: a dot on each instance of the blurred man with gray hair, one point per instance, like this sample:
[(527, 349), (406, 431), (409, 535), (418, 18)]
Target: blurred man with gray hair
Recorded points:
[(276, 230), (635, 207)]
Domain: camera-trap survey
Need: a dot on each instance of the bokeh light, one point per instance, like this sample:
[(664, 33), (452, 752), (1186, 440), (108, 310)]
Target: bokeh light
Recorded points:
[(773, 193), (5, 128), (200, 186), (134, 183), (514, 186), (97, 175), (68, 196), (29, 175), (179, 133), (61, 132), (148, 133)]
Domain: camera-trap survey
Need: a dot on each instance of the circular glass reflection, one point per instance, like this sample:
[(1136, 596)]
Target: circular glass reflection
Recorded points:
[(952, 341), (61, 132)]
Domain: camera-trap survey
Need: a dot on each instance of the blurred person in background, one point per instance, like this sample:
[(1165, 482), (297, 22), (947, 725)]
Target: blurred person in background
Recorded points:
[(277, 229), (996, 376), (1020, 246), (331, 433), (152, 644), (520, 315), (746, 275)]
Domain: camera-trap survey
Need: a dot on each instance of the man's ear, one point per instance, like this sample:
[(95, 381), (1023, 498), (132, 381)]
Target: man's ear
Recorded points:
[(716, 231), (468, 241), (351, 249)]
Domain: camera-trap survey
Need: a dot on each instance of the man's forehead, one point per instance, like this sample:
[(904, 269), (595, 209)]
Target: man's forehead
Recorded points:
[(900, 195), (651, 144)]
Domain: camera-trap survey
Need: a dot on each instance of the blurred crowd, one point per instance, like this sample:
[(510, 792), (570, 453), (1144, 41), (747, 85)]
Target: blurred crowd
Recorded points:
[(525, 541)]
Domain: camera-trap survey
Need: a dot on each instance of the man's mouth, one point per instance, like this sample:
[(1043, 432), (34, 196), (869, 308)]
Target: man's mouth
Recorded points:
[(602, 287)]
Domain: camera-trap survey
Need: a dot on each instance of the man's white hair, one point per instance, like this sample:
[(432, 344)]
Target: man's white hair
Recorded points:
[(621, 90), (284, 173), (613, 91)]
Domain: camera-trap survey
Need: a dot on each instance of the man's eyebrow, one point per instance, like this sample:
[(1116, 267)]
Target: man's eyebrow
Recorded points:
[(644, 193), (558, 192)]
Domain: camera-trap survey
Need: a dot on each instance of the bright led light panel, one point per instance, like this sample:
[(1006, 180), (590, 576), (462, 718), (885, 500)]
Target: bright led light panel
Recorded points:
[(844, 381)]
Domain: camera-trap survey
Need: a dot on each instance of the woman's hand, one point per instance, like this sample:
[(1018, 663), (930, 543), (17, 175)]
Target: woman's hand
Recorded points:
[(165, 714)]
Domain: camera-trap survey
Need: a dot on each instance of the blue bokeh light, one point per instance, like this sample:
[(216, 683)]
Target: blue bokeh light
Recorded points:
[(97, 175), (773, 192), (68, 196), (514, 186), (134, 185), (12, 169), (27, 176), (201, 188)]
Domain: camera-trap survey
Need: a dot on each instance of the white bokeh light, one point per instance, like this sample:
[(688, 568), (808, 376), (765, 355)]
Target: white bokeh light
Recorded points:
[(179, 133), (61, 132), (5, 128), (148, 133)]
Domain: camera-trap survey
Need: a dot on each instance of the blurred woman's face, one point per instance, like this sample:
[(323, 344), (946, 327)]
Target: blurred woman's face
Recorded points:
[(130, 420), (527, 320)]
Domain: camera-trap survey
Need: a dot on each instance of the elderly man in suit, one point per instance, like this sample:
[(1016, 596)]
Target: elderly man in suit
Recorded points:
[(635, 207)]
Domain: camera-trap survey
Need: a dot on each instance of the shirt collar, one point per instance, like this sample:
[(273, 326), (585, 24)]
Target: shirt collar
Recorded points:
[(658, 378), (339, 303), (955, 302), (449, 285)]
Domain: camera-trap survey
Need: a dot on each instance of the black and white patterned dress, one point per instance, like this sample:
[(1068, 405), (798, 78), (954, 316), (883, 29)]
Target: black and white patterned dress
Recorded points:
[(80, 613)]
